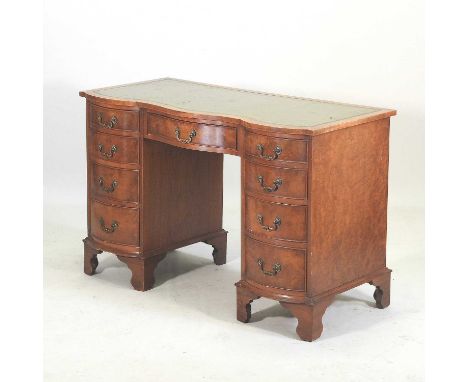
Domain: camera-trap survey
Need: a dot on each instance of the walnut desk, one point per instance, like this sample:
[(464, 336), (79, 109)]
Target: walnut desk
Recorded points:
[(314, 188)]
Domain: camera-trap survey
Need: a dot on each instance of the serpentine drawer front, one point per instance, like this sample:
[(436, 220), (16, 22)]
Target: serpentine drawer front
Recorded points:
[(274, 181), (274, 266), (114, 183), (313, 189), (114, 148), (275, 220), (103, 118), (276, 150), (189, 133), (114, 224)]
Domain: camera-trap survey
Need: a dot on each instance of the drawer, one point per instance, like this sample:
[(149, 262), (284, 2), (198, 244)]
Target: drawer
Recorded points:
[(114, 119), (275, 181), (276, 149), (275, 266), (114, 148), (114, 224), (270, 220), (190, 133), (114, 183)]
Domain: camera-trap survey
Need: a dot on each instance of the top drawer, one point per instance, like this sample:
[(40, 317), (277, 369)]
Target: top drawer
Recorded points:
[(114, 119), (190, 133), (276, 149)]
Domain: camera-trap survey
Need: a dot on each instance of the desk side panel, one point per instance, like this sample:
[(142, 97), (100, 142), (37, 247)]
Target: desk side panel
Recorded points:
[(348, 219)]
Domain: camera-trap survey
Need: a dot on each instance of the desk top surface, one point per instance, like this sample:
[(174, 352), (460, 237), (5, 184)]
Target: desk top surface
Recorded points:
[(262, 108)]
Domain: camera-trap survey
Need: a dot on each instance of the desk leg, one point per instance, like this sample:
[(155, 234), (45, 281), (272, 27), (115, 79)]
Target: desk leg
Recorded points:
[(244, 301), (219, 247), (382, 290), (309, 318), (142, 270), (90, 258)]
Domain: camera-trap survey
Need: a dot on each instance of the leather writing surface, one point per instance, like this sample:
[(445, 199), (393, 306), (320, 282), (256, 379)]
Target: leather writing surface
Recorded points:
[(264, 108)]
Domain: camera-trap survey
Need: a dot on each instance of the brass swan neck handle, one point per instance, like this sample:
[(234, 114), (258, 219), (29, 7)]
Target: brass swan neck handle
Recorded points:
[(108, 155), (109, 189), (276, 151), (276, 223), (276, 184), (108, 125), (192, 134), (275, 270), (111, 229)]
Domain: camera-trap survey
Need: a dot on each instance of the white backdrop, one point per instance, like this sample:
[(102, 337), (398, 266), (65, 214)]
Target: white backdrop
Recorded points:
[(364, 52)]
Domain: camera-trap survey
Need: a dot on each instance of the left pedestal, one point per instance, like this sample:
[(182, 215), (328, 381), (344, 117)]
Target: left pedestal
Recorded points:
[(113, 176), (140, 218)]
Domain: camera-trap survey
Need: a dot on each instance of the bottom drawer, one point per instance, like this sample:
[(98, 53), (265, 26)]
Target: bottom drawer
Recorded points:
[(274, 266), (114, 224)]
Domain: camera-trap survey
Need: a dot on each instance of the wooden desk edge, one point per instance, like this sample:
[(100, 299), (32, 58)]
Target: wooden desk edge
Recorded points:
[(230, 120)]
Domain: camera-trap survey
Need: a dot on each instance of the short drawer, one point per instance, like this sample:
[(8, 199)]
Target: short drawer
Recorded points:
[(114, 224), (270, 220), (274, 266), (276, 149), (114, 148), (189, 133), (114, 119), (114, 183), (276, 181)]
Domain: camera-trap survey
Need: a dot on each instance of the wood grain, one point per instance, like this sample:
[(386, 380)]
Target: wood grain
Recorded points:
[(113, 119), (183, 206), (114, 184), (127, 220), (349, 205), (293, 218), (126, 148), (309, 318), (292, 150), (292, 262), (290, 183), (205, 135), (142, 270)]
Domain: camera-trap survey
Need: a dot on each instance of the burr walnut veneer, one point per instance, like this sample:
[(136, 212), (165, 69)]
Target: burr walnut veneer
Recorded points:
[(314, 188)]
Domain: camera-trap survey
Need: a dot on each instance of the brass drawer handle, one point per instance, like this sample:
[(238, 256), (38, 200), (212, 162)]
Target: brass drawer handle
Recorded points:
[(113, 227), (276, 223), (277, 183), (275, 270), (192, 134), (107, 155), (109, 189), (277, 151), (108, 125)]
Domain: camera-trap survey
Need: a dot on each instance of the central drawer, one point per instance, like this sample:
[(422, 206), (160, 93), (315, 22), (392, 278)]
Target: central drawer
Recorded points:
[(190, 133), (270, 220), (274, 266), (114, 224)]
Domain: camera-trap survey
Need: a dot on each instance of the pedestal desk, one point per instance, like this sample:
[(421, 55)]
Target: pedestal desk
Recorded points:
[(314, 188)]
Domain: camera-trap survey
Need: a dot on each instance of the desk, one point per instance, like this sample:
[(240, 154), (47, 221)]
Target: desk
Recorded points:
[(313, 200)]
